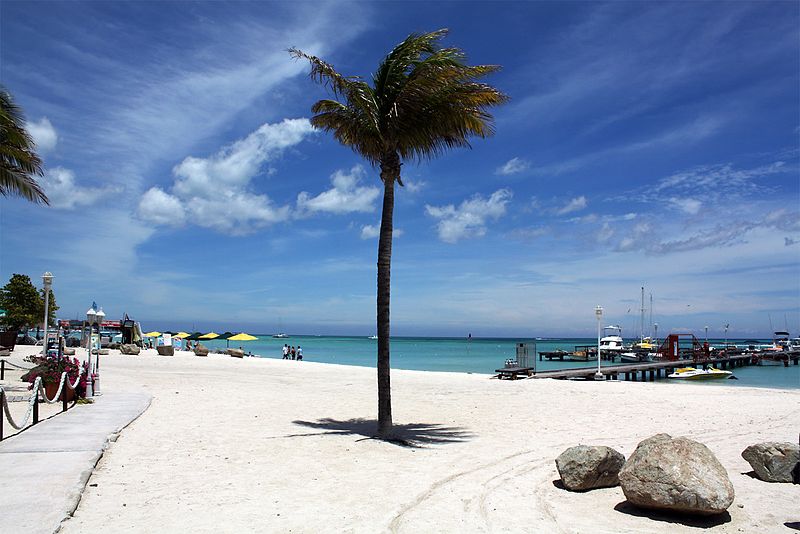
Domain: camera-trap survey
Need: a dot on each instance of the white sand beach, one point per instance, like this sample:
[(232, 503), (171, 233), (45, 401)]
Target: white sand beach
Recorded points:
[(265, 445)]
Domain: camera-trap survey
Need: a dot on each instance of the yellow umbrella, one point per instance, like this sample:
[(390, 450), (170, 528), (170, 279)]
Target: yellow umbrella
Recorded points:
[(152, 334), (210, 335), (182, 335), (242, 337)]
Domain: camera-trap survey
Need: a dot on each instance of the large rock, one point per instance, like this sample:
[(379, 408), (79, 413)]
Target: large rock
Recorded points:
[(584, 467), (676, 474), (129, 349), (200, 350), (236, 353), (773, 461), (165, 350)]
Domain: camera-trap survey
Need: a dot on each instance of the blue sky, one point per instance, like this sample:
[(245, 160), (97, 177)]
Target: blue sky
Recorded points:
[(645, 144)]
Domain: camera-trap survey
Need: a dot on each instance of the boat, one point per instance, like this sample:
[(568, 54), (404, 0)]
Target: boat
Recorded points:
[(372, 337), (280, 336), (636, 357), (775, 354), (690, 373), (612, 341)]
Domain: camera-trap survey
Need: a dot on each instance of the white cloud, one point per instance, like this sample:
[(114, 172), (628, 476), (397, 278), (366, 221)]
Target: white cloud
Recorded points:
[(576, 204), (469, 219), (687, 205), (605, 233), (159, 207), (414, 186), (43, 133), (344, 197), (371, 231), (512, 166), (215, 192), (63, 193)]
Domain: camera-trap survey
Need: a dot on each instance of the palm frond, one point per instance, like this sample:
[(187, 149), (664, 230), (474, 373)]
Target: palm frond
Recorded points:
[(19, 162)]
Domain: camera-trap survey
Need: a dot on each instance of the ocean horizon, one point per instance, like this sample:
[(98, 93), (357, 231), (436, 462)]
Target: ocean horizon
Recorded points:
[(473, 355)]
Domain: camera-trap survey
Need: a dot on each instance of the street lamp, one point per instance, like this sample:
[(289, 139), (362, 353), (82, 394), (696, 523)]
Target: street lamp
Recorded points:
[(91, 317), (47, 280), (598, 311), (726, 334), (706, 334), (100, 318), (655, 326)]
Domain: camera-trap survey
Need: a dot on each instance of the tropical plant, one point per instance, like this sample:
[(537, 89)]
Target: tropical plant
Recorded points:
[(22, 302), (423, 100), (50, 368), (19, 163)]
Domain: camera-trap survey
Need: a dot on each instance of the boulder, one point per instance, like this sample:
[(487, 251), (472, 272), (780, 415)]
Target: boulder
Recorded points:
[(236, 353), (129, 349), (584, 467), (166, 350), (200, 350), (773, 461), (676, 474)]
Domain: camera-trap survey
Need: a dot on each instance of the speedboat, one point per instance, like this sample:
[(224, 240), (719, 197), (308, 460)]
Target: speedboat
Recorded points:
[(280, 336), (690, 373), (611, 340), (372, 337)]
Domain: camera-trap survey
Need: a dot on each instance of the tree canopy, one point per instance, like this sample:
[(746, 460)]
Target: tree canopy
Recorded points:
[(24, 304)]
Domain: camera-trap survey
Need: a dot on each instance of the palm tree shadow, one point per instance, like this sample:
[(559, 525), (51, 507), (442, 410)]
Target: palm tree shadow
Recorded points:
[(414, 435)]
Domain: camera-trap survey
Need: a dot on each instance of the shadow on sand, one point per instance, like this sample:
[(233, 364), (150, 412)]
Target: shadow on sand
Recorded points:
[(416, 435), (682, 519)]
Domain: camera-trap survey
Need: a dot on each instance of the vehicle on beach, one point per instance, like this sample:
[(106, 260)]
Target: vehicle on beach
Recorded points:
[(690, 373)]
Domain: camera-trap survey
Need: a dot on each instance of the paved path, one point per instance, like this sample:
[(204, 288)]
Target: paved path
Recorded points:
[(47, 466)]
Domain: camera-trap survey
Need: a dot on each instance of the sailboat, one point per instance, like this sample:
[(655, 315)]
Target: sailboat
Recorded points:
[(280, 335)]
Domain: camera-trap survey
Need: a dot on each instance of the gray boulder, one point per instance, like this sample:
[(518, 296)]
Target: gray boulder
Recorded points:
[(200, 350), (583, 467), (236, 353), (773, 461), (676, 474), (129, 349)]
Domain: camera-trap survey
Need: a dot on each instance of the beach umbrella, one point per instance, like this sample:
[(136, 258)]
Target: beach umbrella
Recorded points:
[(242, 337), (195, 336), (181, 335), (210, 335), (153, 334), (226, 336)]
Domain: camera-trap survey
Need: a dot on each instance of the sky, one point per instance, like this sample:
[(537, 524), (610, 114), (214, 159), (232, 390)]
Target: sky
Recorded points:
[(651, 145)]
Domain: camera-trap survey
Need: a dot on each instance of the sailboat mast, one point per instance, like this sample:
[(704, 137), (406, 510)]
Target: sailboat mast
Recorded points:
[(651, 310), (641, 329)]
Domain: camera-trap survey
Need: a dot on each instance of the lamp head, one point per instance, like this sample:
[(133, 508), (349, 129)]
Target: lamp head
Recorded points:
[(598, 311), (91, 315), (101, 316), (47, 278)]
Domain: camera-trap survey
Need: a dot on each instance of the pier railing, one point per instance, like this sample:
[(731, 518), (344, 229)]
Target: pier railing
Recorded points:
[(32, 414)]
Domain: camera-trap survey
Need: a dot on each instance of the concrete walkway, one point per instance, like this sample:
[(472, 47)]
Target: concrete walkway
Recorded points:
[(45, 468)]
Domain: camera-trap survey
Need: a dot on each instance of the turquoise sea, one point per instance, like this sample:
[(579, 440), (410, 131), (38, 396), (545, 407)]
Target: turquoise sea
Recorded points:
[(478, 355)]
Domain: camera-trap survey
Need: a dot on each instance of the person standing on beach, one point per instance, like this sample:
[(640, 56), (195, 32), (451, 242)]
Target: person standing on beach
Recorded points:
[(299, 353), (294, 353), (285, 351)]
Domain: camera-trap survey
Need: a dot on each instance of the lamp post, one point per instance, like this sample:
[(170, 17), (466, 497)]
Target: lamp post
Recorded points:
[(598, 311), (726, 335), (91, 317), (655, 327), (706, 334), (100, 317), (47, 281)]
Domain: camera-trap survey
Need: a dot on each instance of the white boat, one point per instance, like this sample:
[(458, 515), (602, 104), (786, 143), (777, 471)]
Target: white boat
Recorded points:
[(612, 339), (690, 373), (636, 357), (372, 337), (280, 336)]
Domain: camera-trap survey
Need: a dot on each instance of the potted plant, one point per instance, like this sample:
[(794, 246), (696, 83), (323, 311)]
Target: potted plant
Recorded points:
[(50, 369)]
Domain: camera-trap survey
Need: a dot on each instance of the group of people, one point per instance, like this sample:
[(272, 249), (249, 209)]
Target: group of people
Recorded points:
[(292, 353)]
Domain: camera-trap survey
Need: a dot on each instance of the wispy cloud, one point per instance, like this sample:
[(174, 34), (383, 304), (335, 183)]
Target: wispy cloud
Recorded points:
[(513, 166), (371, 231), (470, 217), (575, 204)]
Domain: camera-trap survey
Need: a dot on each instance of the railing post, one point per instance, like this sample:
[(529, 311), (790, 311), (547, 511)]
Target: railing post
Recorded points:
[(3, 414), (64, 394), (35, 407), (2, 369)]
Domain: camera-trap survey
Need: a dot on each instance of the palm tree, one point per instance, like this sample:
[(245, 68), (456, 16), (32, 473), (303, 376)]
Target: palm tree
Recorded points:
[(18, 160), (422, 101)]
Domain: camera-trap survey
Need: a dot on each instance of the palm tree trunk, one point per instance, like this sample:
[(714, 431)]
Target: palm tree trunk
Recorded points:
[(390, 171)]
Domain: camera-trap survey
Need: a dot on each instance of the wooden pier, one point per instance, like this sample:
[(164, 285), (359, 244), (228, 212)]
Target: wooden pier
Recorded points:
[(643, 372)]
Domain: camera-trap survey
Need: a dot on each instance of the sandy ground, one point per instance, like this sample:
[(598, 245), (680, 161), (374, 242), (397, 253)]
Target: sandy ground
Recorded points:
[(263, 445)]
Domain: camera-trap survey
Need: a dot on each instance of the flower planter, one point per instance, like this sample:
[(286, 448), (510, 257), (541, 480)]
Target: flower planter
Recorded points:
[(51, 389)]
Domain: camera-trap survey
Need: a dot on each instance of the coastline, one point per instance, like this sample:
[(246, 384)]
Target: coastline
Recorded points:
[(258, 443)]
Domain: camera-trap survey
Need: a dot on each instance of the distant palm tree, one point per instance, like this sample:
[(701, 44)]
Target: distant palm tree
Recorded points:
[(422, 101), (18, 160)]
